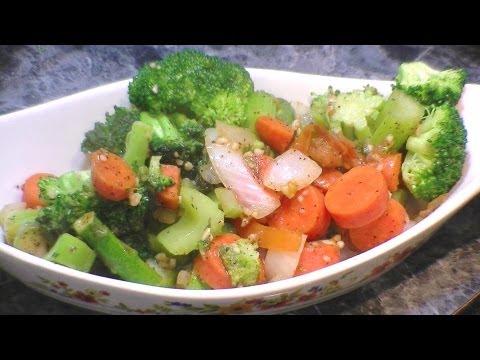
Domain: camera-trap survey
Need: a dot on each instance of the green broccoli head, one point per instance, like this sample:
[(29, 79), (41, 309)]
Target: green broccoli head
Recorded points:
[(430, 86), (121, 217), (68, 198), (436, 154), (242, 261), (112, 133), (193, 83)]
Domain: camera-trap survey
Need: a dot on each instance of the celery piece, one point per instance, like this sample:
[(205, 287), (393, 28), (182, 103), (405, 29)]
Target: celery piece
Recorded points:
[(138, 144), (228, 203), (285, 111), (183, 237), (71, 252), (31, 238), (15, 219), (119, 258), (259, 103), (399, 117), (195, 283)]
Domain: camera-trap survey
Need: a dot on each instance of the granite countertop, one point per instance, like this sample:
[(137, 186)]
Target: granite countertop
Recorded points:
[(436, 279)]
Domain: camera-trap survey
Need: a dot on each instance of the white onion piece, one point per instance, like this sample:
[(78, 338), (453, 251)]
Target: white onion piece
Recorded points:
[(208, 173), (236, 176), (211, 135), (236, 134), (300, 108), (280, 265), (291, 167)]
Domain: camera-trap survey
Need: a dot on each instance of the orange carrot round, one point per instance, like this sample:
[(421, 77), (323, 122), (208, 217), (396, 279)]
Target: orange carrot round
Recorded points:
[(31, 192), (392, 165), (389, 225), (305, 213), (274, 133), (317, 255), (169, 197), (327, 178), (210, 268), (358, 197), (112, 178)]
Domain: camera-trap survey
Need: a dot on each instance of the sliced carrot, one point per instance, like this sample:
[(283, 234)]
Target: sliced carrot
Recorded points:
[(275, 133), (112, 177), (169, 197), (305, 213), (210, 268), (270, 237), (31, 192), (391, 168), (358, 197), (317, 255), (303, 140), (326, 179), (389, 225)]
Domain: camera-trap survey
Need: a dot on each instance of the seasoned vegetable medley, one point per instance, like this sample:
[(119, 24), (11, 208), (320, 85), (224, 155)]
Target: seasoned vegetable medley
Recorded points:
[(205, 182)]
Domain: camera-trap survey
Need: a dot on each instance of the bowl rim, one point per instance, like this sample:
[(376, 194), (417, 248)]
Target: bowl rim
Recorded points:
[(451, 205)]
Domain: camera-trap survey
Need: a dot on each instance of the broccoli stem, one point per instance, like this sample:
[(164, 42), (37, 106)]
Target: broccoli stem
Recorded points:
[(31, 238), (183, 237), (137, 144), (71, 252), (120, 259)]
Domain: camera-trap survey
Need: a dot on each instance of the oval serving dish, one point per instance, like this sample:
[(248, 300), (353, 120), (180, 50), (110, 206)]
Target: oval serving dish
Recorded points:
[(47, 138)]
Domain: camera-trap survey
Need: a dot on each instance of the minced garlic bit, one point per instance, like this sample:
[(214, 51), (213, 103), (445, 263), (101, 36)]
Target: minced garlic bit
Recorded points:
[(152, 65), (326, 258), (183, 278), (248, 154), (300, 199), (221, 141), (176, 155), (134, 199), (179, 162), (290, 189), (207, 234), (336, 240), (245, 221), (340, 244), (252, 237), (235, 146), (165, 262), (102, 157), (155, 89), (258, 152), (389, 139), (188, 166)]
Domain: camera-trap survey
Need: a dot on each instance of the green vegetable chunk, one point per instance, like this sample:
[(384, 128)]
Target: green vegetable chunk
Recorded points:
[(399, 118), (138, 144), (72, 252), (430, 86), (119, 258), (228, 203), (183, 237), (32, 239), (259, 103), (436, 154), (242, 261), (15, 220), (195, 283)]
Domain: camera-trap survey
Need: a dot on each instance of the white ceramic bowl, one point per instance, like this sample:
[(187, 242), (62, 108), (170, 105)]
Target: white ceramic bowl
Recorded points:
[(47, 138)]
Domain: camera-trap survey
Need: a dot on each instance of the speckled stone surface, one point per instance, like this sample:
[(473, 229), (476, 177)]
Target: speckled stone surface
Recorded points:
[(436, 279)]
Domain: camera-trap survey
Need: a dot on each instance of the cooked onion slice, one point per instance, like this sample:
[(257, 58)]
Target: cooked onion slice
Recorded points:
[(280, 265), (290, 172), (236, 176)]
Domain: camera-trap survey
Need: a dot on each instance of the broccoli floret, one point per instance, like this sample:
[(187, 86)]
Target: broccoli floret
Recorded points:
[(205, 87), (430, 86), (67, 197), (350, 113), (242, 261), (436, 154), (175, 138), (112, 133), (121, 217), (154, 178)]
